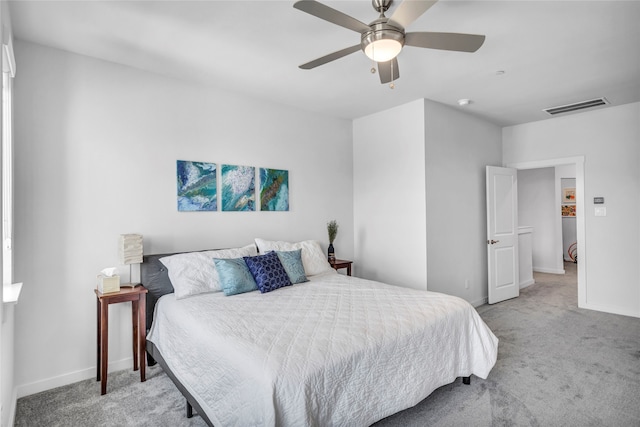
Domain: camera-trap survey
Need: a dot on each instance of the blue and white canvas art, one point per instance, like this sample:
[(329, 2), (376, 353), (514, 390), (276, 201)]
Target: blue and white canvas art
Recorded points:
[(197, 186), (238, 188), (274, 190)]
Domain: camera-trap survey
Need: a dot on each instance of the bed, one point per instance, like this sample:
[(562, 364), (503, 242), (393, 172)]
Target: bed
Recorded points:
[(331, 351)]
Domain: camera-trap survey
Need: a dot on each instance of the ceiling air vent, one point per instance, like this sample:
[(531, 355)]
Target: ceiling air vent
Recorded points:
[(576, 106)]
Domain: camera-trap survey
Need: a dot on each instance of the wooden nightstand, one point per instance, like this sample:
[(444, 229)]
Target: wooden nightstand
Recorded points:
[(342, 263), (138, 297)]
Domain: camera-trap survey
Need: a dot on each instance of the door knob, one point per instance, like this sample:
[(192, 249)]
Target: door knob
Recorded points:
[(492, 242)]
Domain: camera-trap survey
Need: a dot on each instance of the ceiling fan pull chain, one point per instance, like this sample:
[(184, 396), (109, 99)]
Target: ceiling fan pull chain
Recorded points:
[(373, 63), (392, 85)]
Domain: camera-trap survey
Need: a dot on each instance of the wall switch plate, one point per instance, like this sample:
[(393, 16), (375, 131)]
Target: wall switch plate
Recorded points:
[(601, 211)]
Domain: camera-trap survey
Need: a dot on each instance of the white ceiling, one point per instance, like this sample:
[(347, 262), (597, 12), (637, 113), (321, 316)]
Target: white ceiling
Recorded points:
[(552, 52)]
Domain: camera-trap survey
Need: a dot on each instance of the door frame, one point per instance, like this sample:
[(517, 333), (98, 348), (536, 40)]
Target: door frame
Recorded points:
[(581, 230)]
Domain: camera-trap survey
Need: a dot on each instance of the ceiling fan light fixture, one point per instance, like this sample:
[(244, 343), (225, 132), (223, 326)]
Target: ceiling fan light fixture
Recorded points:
[(384, 44), (383, 50)]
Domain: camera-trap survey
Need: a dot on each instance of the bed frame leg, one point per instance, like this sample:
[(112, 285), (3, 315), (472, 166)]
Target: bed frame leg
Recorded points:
[(150, 360), (189, 410), (466, 380)]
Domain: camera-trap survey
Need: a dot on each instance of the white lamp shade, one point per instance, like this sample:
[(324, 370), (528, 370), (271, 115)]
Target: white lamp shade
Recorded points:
[(130, 249), (383, 50)]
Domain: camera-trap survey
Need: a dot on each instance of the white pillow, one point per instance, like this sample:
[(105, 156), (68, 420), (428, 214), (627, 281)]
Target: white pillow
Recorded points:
[(314, 260), (194, 273)]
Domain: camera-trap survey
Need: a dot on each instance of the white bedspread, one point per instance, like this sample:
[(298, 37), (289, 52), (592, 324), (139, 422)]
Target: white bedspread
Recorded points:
[(337, 351)]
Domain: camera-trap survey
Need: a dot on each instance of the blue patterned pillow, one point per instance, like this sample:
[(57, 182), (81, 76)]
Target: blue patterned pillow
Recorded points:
[(268, 272), (235, 277), (292, 263)]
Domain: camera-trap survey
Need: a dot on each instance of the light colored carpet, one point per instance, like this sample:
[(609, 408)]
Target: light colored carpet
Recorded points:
[(557, 366), (128, 402)]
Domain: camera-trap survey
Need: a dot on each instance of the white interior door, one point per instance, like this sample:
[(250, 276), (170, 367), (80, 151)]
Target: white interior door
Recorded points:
[(502, 233)]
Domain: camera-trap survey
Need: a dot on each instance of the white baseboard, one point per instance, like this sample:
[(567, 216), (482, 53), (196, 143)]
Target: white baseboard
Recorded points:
[(609, 309), (549, 270), (12, 410), (527, 283), (479, 302), (70, 378)]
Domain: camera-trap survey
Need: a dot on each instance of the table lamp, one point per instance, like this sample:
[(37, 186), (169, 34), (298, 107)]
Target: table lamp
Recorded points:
[(130, 251)]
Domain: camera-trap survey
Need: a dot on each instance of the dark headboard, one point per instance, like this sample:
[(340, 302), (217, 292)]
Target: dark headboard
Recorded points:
[(155, 277)]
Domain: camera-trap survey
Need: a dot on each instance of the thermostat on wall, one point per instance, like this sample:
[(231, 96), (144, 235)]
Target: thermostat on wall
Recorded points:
[(600, 211), (598, 200)]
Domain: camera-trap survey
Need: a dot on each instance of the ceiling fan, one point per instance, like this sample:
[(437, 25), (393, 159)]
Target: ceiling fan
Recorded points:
[(383, 39)]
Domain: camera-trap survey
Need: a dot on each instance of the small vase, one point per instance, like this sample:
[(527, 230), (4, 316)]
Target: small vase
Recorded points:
[(331, 253)]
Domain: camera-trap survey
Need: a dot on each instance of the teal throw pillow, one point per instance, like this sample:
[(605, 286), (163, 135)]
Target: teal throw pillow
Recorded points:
[(235, 277), (292, 263)]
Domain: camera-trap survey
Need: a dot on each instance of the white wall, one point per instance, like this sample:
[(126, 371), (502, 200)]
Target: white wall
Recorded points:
[(96, 151), (458, 147), (419, 171), (389, 196), (608, 140), (538, 208)]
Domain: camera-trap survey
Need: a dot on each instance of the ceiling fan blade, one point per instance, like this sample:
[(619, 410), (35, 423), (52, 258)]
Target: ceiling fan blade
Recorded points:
[(384, 69), (330, 57), (329, 14), (409, 11), (445, 41)]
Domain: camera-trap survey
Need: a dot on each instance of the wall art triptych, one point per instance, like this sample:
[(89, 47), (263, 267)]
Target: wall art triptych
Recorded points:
[(198, 189)]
